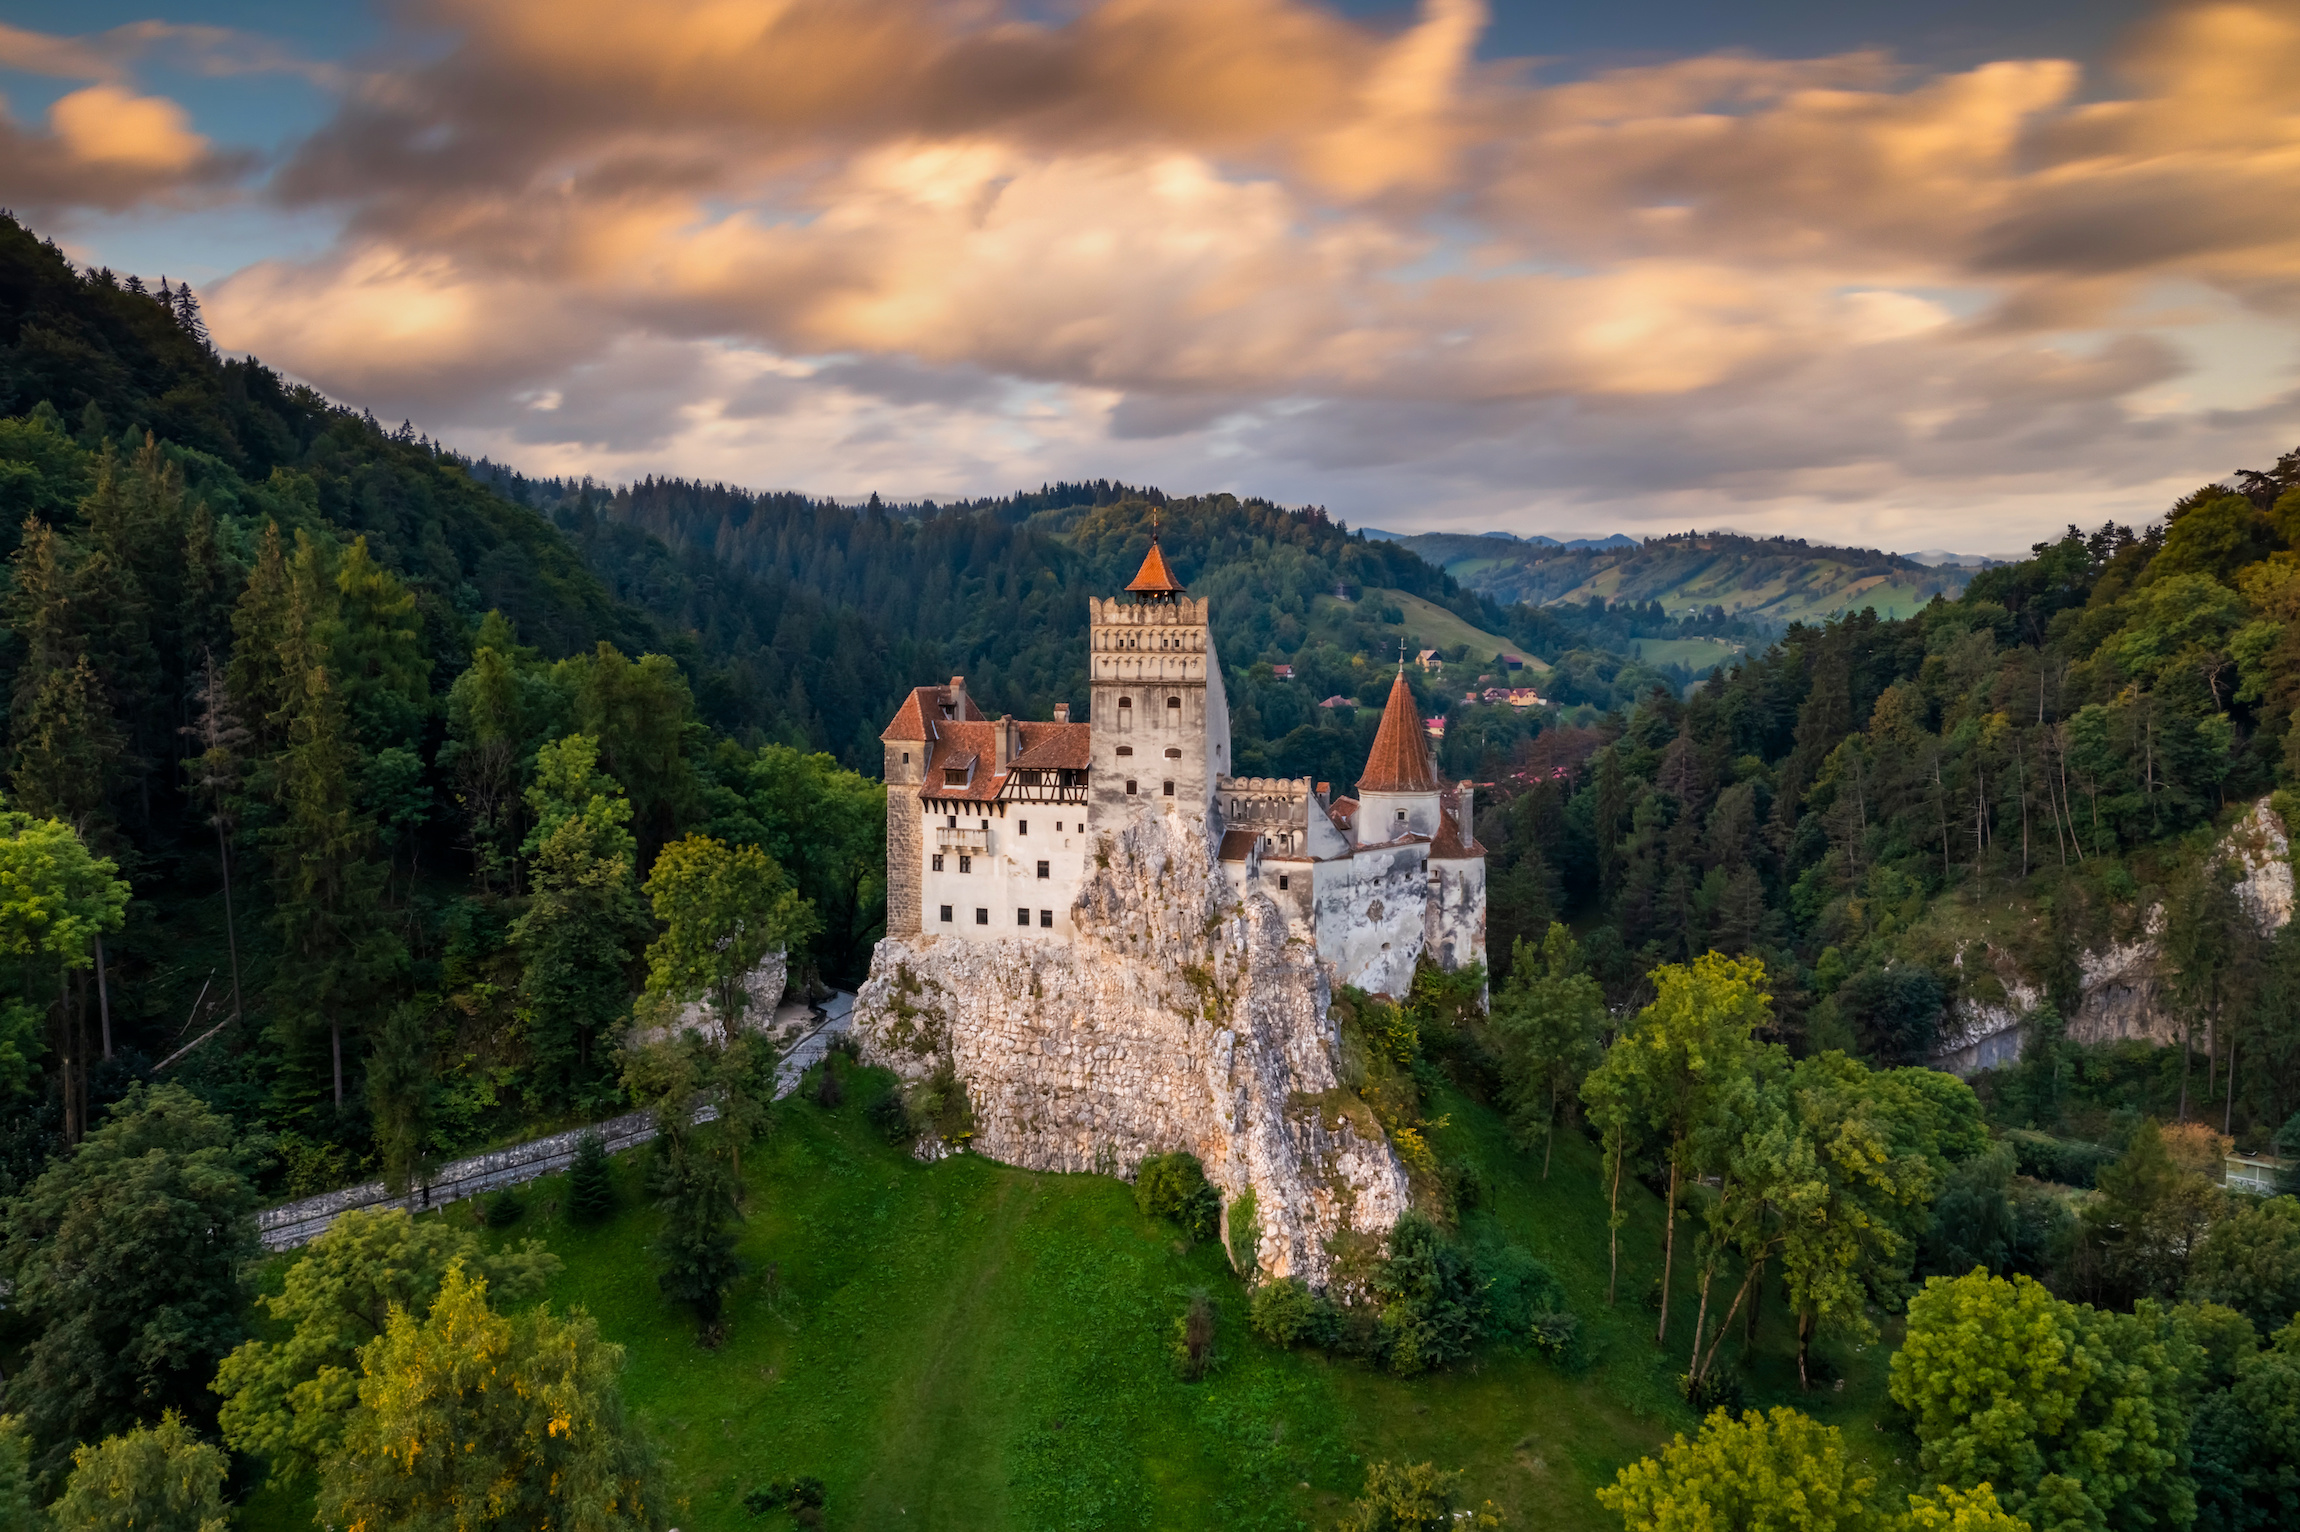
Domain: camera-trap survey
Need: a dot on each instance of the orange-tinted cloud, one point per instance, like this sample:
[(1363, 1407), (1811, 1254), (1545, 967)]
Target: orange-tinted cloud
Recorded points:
[(1256, 226)]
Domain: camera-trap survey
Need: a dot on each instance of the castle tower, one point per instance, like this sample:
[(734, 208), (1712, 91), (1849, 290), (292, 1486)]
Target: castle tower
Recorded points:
[(1399, 793), (1161, 721), (926, 715)]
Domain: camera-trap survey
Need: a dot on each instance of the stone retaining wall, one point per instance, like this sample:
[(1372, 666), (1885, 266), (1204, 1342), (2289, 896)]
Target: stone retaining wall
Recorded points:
[(298, 1223)]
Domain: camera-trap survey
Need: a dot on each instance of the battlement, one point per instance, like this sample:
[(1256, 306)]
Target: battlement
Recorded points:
[(1181, 612)]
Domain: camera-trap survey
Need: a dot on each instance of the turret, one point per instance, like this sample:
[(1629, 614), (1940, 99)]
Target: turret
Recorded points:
[(1399, 792), (1161, 720)]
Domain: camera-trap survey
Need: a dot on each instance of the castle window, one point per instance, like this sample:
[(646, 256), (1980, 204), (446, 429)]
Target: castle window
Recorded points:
[(1125, 701), (1046, 869), (1169, 789), (1022, 827), (1173, 754), (938, 861), (1281, 882), (906, 757), (1058, 827), (1129, 787), (1046, 920), (1022, 919), (954, 776), (1173, 702), (966, 864), (1125, 749), (981, 916), (946, 914), (951, 820)]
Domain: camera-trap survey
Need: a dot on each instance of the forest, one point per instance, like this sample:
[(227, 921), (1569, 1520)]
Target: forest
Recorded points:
[(359, 797)]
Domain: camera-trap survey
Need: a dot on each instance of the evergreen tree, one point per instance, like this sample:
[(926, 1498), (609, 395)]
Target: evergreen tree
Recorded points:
[(582, 920), (590, 1183)]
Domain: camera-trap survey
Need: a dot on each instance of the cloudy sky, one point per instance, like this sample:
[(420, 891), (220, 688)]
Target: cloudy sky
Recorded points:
[(1914, 276)]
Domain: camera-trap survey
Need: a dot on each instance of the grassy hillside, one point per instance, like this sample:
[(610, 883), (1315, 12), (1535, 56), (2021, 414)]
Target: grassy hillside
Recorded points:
[(1426, 625), (1769, 580), (970, 1346)]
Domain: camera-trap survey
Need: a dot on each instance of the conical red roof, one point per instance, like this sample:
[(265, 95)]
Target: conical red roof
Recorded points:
[(1400, 762), (1155, 579)]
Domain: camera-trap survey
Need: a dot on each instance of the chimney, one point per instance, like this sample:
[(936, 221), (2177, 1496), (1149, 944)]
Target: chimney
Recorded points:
[(1001, 749), (1062, 712), (958, 696), (1468, 812)]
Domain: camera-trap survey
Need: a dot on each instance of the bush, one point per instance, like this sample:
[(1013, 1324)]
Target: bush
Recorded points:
[(1286, 1313), (938, 1106), (590, 1183), (829, 1092), (1415, 1497), (801, 1496), (1246, 1236), (1175, 1186), (1434, 1307), (1194, 1354), (2070, 1161), (505, 1208), (892, 1119)]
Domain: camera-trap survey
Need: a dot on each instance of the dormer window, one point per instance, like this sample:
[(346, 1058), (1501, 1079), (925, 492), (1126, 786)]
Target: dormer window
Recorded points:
[(948, 711), (954, 776)]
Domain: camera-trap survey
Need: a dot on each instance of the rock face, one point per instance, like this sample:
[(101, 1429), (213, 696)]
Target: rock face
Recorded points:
[(2122, 986), (1180, 1016)]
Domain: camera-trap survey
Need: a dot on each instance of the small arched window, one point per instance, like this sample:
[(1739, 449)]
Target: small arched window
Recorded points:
[(1173, 702), (1125, 701)]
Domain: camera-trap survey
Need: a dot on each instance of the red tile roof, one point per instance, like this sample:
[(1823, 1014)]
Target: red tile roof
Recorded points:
[(1045, 747), (1237, 845), (1400, 762), (1155, 579), (1449, 843), (924, 705), (1048, 746)]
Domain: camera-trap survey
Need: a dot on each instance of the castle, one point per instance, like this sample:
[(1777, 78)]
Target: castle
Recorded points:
[(992, 824)]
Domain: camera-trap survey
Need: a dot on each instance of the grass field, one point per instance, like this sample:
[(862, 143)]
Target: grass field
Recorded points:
[(1695, 654), (1430, 626), (969, 1346)]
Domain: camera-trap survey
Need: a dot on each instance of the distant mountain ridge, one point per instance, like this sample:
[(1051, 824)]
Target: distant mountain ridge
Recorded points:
[(1769, 580), (1539, 539)]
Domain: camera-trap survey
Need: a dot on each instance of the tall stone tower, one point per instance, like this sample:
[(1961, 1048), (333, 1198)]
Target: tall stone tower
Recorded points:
[(1161, 720)]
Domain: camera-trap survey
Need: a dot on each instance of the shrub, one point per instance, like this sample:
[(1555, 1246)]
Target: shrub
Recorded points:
[(1434, 1307), (1175, 1186), (590, 1184), (1286, 1313), (938, 1106), (505, 1208), (887, 1114), (802, 1496), (1246, 1236), (2070, 1161), (1414, 1497), (1194, 1354), (829, 1092)]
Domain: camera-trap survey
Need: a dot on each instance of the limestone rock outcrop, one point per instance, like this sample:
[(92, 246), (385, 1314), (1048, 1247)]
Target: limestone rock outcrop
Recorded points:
[(2122, 988), (1177, 1016)]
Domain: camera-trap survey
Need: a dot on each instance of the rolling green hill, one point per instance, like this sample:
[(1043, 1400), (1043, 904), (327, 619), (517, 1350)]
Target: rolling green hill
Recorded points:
[(973, 1347), (1426, 625), (1768, 580)]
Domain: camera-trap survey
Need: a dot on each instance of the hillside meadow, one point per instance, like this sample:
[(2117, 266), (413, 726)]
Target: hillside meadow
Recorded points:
[(966, 1345)]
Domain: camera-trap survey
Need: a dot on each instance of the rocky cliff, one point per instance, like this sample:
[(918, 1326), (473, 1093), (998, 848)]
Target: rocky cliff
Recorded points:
[(2122, 986), (1177, 1017)]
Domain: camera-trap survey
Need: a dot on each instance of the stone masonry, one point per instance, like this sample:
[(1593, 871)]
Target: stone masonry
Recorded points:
[(1180, 1016)]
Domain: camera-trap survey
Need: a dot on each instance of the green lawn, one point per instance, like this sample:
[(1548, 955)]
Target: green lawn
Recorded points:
[(969, 1346), (1430, 626)]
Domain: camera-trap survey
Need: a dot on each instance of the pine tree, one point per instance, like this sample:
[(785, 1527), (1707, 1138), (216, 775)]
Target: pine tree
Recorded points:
[(590, 1183), (215, 782), (188, 315)]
